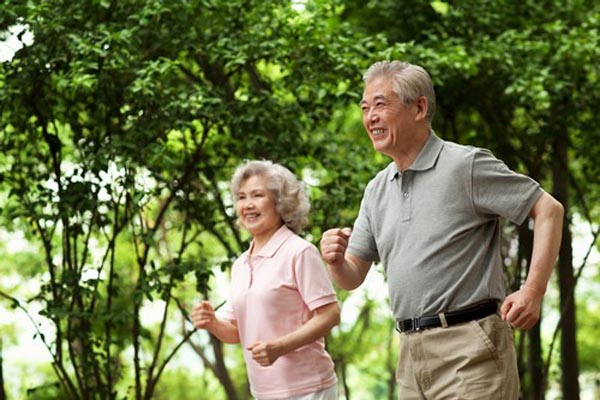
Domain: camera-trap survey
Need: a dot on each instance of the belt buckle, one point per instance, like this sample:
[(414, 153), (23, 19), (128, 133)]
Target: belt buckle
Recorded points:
[(409, 325), (416, 324)]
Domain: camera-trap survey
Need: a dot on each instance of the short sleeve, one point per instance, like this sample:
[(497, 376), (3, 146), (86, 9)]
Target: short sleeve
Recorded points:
[(497, 190), (362, 241), (312, 279)]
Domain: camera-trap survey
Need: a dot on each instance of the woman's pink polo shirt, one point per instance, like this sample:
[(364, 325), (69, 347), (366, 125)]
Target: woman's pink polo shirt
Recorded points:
[(272, 294)]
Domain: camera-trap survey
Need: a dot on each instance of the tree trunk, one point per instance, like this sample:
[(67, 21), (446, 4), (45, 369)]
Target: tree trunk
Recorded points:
[(535, 363), (2, 391), (534, 360), (343, 368), (221, 369), (566, 281), (218, 367)]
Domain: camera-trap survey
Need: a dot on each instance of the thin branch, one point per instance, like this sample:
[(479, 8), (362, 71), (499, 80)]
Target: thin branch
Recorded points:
[(568, 303), (57, 364)]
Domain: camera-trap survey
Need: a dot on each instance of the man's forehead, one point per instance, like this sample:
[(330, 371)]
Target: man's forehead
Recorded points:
[(378, 89), (372, 97)]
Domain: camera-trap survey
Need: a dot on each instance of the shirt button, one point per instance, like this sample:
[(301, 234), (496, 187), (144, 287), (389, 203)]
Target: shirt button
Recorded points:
[(405, 194)]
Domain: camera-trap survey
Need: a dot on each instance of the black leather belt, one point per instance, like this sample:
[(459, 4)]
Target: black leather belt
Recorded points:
[(470, 313)]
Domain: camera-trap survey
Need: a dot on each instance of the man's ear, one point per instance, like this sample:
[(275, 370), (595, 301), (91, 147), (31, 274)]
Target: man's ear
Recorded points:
[(422, 108)]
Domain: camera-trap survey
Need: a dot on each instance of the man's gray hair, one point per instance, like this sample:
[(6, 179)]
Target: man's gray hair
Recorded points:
[(291, 201), (410, 82)]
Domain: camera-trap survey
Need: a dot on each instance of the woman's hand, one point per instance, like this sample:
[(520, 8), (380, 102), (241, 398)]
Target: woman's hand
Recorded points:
[(265, 353), (203, 316)]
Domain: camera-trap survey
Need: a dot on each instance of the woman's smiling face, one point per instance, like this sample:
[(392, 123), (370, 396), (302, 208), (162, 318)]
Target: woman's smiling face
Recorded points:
[(256, 207)]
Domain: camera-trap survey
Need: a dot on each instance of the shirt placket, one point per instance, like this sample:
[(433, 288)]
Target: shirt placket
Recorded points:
[(406, 195), (250, 263)]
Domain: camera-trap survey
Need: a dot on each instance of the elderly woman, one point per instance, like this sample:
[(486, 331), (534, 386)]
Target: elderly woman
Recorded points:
[(281, 302)]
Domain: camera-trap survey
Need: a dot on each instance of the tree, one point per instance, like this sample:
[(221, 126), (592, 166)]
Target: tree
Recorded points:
[(121, 124), (119, 134)]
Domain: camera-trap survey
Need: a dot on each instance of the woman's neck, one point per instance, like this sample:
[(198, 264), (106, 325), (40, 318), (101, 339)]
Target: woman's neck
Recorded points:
[(262, 239)]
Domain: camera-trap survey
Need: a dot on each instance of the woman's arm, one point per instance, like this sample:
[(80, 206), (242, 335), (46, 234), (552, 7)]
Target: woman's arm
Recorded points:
[(203, 317), (325, 318)]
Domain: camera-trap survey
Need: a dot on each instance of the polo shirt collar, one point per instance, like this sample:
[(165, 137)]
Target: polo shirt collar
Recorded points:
[(426, 158), (271, 247)]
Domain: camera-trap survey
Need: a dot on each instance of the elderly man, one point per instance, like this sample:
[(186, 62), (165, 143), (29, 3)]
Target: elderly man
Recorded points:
[(433, 219)]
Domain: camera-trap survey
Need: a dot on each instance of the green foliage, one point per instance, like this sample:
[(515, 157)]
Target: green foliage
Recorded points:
[(588, 327), (121, 123), (119, 134), (180, 383), (49, 391)]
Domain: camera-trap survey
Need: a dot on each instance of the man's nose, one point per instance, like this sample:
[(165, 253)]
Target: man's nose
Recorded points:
[(372, 115)]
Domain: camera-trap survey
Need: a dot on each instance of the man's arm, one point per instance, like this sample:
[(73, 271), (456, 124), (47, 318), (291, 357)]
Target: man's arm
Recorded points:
[(347, 271), (522, 308), (548, 216)]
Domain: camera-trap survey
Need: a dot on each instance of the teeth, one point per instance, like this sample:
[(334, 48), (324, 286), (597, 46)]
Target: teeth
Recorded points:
[(377, 131)]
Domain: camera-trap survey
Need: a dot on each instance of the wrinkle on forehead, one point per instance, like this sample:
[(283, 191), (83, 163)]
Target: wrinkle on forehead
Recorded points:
[(378, 89), (375, 98)]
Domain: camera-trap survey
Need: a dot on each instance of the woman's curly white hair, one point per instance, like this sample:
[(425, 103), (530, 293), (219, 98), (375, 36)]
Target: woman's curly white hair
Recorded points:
[(291, 201)]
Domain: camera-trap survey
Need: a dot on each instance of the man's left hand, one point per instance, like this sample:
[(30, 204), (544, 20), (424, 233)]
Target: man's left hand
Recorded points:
[(522, 308)]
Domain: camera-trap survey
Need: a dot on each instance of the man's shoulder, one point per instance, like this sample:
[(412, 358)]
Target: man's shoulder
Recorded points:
[(460, 149), (463, 153)]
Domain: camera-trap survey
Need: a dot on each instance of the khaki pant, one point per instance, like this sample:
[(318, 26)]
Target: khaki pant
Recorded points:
[(473, 360)]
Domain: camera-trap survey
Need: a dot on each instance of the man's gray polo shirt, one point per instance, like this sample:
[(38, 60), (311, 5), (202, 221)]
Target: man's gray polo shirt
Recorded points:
[(436, 226)]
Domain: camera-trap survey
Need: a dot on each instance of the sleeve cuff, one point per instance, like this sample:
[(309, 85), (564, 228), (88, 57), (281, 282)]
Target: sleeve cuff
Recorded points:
[(321, 301)]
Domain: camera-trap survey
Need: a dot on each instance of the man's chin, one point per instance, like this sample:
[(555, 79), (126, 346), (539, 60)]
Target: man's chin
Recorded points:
[(381, 148)]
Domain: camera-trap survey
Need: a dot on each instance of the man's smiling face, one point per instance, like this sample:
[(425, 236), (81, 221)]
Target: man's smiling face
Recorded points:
[(388, 121)]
